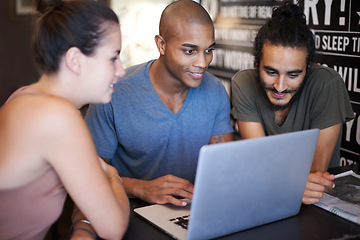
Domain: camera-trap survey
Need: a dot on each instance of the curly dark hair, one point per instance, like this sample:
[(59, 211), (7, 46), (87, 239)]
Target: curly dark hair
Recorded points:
[(287, 27)]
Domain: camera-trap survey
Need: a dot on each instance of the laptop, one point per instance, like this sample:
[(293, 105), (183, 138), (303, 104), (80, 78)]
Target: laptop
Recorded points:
[(241, 185)]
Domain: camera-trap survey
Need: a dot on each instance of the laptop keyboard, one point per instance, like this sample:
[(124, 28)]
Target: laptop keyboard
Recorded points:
[(181, 221)]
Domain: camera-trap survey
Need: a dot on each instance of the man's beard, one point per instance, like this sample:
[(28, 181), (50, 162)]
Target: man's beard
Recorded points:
[(278, 107)]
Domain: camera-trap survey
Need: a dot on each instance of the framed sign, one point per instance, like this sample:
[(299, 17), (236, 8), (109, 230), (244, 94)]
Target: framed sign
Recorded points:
[(24, 7)]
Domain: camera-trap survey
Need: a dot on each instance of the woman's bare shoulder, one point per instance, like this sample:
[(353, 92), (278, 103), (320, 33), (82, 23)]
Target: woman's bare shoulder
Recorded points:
[(34, 124), (40, 110)]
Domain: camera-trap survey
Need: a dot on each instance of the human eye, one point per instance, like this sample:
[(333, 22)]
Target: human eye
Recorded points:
[(189, 51), (270, 72), (115, 58), (209, 50), (293, 75)]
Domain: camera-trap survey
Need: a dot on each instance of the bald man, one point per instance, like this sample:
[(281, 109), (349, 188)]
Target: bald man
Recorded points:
[(163, 111)]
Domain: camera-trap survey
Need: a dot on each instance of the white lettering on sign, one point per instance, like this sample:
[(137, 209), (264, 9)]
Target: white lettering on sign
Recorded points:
[(327, 12), (242, 35), (350, 77), (246, 12), (345, 162), (230, 59), (333, 43), (349, 125), (356, 44), (311, 8)]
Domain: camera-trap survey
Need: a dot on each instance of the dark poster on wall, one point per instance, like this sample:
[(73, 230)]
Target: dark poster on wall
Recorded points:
[(336, 27), (236, 24)]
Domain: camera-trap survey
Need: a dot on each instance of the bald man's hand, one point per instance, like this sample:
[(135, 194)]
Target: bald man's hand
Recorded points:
[(161, 190), (316, 185)]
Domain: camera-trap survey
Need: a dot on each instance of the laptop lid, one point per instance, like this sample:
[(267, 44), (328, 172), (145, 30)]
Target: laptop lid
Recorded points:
[(242, 184)]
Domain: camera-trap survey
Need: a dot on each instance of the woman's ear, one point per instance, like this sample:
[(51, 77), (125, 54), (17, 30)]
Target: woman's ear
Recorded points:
[(160, 44), (73, 59)]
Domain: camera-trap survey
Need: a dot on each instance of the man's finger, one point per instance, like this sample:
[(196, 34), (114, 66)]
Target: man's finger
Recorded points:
[(176, 202), (321, 179)]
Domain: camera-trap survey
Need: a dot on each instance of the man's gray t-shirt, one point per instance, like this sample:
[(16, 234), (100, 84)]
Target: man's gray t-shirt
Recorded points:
[(323, 102)]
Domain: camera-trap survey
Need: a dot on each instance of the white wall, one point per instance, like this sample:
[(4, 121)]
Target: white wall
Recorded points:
[(139, 21)]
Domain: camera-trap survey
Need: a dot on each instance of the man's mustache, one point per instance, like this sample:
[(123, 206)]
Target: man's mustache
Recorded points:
[(276, 91)]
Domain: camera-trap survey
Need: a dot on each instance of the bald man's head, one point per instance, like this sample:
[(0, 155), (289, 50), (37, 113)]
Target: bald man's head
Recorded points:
[(182, 12)]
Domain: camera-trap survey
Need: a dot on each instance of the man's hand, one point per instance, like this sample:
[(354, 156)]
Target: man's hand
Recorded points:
[(316, 185), (161, 190)]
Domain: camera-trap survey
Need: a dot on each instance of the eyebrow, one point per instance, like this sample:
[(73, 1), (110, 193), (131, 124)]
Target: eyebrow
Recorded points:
[(195, 46), (295, 71), (289, 72)]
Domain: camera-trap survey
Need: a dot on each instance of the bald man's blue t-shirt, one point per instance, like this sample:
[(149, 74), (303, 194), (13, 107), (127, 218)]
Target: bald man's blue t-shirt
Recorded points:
[(146, 140)]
